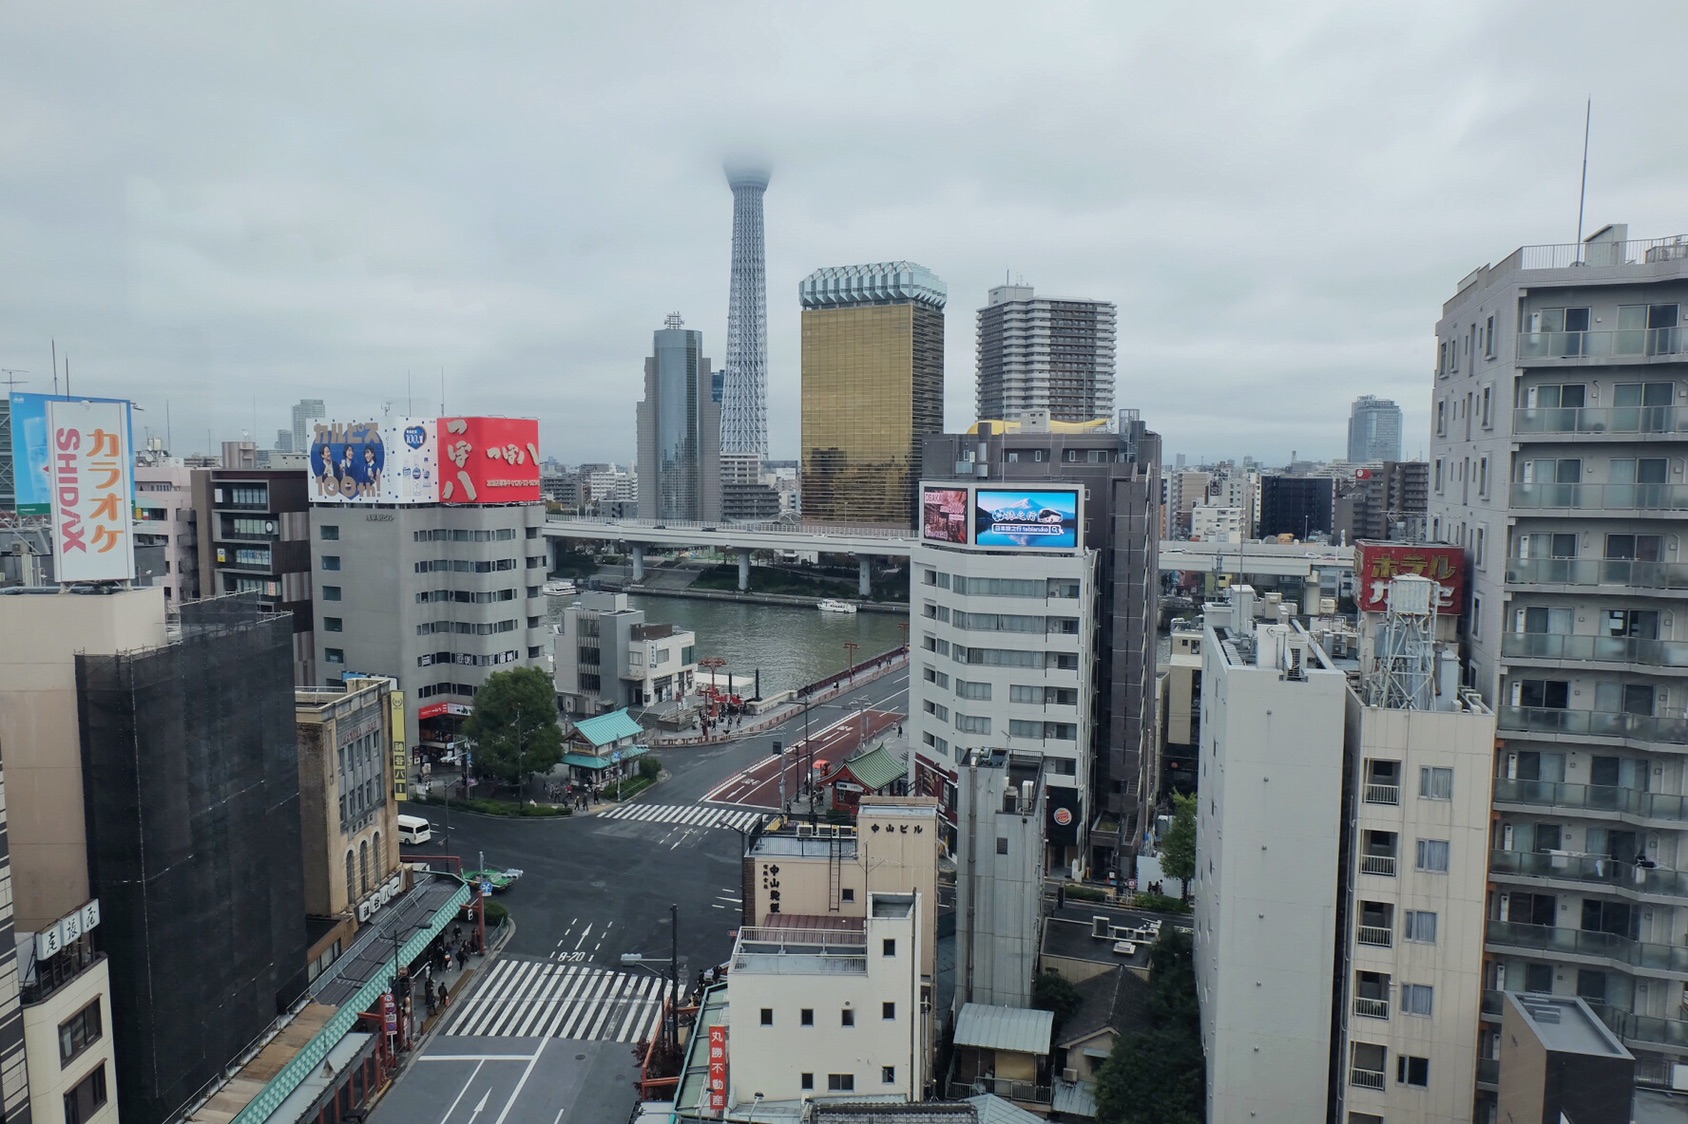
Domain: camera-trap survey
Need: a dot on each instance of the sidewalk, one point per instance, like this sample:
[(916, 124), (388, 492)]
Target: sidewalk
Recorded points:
[(458, 981), (785, 713)]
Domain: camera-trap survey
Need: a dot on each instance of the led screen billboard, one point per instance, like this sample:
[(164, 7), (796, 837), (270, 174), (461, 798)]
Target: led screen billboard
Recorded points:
[(92, 480), (394, 461), (943, 514), (1039, 520), (31, 447), (489, 460), (1376, 563)]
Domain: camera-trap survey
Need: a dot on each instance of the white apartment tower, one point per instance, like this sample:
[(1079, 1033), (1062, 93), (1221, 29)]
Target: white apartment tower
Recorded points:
[(1557, 456), (1045, 353)]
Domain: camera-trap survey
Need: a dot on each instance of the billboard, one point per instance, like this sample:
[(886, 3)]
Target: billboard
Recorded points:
[(1042, 519), (943, 514), (1376, 563), (31, 449), (717, 1068), (92, 477), (489, 460), (394, 461)]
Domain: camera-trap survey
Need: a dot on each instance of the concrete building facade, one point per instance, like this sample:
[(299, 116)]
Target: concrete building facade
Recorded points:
[(607, 657), (1044, 353), (679, 430), (1000, 813), (166, 520)]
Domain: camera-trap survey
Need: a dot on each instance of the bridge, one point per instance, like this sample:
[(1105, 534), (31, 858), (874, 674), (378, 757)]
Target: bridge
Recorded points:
[(1297, 560)]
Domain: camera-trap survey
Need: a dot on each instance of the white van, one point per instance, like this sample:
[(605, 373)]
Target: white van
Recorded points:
[(414, 830)]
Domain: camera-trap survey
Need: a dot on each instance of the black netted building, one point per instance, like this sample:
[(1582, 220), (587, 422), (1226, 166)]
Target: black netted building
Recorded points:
[(192, 789)]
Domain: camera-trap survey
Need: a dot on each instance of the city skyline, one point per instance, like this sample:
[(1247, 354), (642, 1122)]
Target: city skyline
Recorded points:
[(1272, 233)]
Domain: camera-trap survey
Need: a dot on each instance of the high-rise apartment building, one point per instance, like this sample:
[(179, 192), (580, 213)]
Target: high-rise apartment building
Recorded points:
[(1388, 501), (304, 412), (1119, 473), (1044, 353), (873, 389), (1557, 443), (1374, 430), (679, 430), (744, 394)]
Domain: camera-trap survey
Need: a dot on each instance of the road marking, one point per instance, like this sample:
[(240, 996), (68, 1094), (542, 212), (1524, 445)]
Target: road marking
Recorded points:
[(517, 1091), (462, 1092), (481, 1105), (475, 1058), (686, 815), (582, 939), (581, 1001)]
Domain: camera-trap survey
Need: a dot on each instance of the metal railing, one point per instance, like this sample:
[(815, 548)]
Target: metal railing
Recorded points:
[(1628, 574), (1604, 343), (1581, 942), (1602, 869), (1371, 1008), (1378, 936), (1488, 1071), (1383, 794), (1592, 797), (864, 530), (1610, 649), (1026, 1092), (1531, 420), (1366, 1078), (1638, 728), (1378, 864), (1599, 497), (1569, 255)]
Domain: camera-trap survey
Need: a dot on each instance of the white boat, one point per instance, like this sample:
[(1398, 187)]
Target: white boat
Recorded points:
[(560, 587), (833, 605)]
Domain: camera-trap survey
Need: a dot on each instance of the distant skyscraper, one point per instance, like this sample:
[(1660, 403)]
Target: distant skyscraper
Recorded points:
[(679, 430), (744, 397), (1374, 430), (1044, 353), (306, 409), (873, 388)]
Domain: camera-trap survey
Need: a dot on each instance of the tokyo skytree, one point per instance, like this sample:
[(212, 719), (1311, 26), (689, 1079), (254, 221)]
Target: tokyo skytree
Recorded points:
[(744, 390)]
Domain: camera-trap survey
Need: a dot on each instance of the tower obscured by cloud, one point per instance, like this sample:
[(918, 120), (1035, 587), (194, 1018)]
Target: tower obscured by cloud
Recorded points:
[(744, 396)]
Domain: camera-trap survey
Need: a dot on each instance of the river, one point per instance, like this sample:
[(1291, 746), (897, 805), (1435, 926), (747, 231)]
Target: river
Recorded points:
[(791, 645)]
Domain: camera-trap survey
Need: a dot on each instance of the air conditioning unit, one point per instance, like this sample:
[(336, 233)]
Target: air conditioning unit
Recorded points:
[(1099, 928), (1679, 1077), (1070, 1076)]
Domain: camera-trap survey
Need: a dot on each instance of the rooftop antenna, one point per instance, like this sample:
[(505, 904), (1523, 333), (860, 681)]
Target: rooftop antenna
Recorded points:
[(167, 424), (11, 380), (442, 392), (409, 394), (1582, 193), (67, 374), (55, 368)]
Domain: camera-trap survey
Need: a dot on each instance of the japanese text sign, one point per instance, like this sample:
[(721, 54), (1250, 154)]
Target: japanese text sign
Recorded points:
[(489, 460), (1376, 564), (92, 472), (718, 1067)]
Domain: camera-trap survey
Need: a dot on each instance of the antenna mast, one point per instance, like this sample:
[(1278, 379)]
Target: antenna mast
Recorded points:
[(1582, 193)]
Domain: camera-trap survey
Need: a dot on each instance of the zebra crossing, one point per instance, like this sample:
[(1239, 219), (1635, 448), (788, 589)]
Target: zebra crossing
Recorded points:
[(687, 815), (544, 999)]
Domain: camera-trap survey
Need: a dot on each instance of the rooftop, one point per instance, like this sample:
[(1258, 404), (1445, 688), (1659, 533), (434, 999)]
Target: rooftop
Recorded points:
[(609, 728), (1565, 1024), (788, 949), (886, 282), (1017, 1029), (1116, 1000), (892, 905), (876, 769)]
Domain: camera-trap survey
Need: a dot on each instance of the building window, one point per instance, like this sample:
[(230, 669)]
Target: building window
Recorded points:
[(351, 860), (78, 1032), (889, 947), (1435, 783), (1489, 339), (888, 1074), (1420, 926), (330, 561), (847, 1017), (1412, 1071), (847, 894), (331, 624), (840, 1082), (87, 1098), (330, 533), (1433, 855), (331, 593), (1416, 999), (887, 1010), (767, 1016), (807, 1016), (334, 655), (1001, 845), (363, 866), (1476, 616), (808, 1082)]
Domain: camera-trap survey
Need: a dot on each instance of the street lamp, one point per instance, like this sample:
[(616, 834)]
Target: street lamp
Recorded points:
[(755, 1101), (673, 962)]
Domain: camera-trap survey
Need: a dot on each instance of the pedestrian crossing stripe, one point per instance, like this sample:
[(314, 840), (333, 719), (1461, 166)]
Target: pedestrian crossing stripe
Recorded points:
[(688, 815), (544, 999)]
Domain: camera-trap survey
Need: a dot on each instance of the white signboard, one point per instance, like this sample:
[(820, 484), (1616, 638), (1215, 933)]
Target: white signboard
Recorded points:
[(393, 461), (92, 471), (66, 930)]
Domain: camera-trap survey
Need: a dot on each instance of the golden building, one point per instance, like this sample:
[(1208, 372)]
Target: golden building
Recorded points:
[(873, 389)]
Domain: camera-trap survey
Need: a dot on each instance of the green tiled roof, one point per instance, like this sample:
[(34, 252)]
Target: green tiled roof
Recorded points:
[(876, 768)]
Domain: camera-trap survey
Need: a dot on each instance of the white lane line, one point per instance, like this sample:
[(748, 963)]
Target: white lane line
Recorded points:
[(560, 1009), (515, 1094), (462, 1091)]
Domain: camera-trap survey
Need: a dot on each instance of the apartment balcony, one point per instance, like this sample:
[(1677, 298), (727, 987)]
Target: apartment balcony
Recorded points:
[(1620, 802), (1667, 654), (1377, 936), (1640, 731), (1621, 575), (1622, 345), (1617, 423), (1598, 499), (1589, 944), (1645, 1029), (1383, 865), (1367, 1008), (1383, 794), (1367, 1078), (1610, 873), (1488, 1074)]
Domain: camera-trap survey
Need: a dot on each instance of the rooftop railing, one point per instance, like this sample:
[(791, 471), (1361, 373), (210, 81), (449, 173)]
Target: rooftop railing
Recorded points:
[(1634, 251)]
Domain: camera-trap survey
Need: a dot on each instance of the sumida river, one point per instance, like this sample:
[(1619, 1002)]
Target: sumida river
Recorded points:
[(791, 645)]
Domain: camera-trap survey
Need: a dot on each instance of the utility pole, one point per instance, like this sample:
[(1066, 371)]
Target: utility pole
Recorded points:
[(674, 977)]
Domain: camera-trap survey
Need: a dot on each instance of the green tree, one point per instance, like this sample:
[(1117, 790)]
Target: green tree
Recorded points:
[(1156, 1076), (1052, 991), (1178, 849), (514, 726)]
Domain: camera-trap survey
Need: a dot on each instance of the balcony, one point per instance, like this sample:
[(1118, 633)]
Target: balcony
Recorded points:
[(1639, 344), (1645, 1028), (1367, 1008), (1378, 936), (1593, 798), (1580, 942), (1599, 498), (1602, 869), (1383, 794), (1624, 422), (1603, 255), (1367, 1078), (1600, 649), (1624, 575), (1378, 864), (1488, 1073), (1639, 730)]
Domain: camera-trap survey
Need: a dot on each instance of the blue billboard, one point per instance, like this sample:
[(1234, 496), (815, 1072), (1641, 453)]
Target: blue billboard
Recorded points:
[(31, 462), (1039, 520)]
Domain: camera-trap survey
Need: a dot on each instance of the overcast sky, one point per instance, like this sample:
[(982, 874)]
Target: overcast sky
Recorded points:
[(229, 207)]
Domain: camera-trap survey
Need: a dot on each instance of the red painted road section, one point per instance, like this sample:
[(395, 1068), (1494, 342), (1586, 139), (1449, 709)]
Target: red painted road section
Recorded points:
[(759, 785)]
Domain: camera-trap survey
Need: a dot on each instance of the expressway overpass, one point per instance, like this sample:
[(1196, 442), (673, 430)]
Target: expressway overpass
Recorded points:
[(1298, 560)]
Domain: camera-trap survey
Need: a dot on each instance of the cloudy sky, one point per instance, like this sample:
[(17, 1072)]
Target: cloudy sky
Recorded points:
[(217, 209)]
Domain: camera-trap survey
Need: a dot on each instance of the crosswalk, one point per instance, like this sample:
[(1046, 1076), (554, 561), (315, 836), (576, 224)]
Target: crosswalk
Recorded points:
[(689, 815), (543, 999)]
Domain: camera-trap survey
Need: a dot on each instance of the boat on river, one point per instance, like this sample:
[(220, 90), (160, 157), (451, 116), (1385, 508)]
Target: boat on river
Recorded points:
[(561, 587), (834, 605)]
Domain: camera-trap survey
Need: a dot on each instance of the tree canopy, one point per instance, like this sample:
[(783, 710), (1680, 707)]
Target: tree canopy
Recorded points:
[(1157, 1076), (1178, 849), (514, 726), (1052, 991)]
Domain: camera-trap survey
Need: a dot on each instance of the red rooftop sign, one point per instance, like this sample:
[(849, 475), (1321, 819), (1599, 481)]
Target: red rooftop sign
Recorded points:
[(1376, 563)]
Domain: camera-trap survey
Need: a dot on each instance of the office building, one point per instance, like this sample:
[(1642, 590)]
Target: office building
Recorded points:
[(679, 431), (873, 389), (1554, 453), (1044, 353), (1298, 506), (608, 658), (1119, 475), (1374, 430), (305, 411), (744, 385), (1000, 815), (1340, 893), (744, 496), (1186, 489)]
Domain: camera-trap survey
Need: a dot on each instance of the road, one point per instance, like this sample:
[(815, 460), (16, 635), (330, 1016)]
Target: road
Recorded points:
[(773, 782), (548, 1030)]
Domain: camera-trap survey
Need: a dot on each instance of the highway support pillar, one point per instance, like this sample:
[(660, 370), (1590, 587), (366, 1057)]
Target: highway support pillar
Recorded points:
[(864, 576), (638, 563), (743, 568)]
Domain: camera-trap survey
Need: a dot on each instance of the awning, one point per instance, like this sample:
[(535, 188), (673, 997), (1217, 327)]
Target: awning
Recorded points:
[(584, 761)]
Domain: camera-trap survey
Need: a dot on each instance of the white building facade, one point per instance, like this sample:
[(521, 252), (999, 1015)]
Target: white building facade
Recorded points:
[(1045, 353)]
